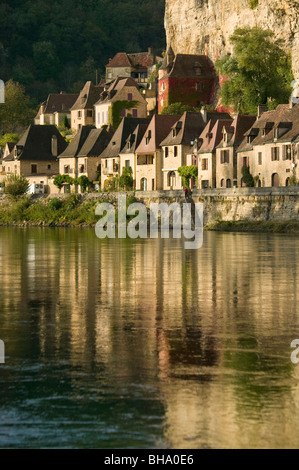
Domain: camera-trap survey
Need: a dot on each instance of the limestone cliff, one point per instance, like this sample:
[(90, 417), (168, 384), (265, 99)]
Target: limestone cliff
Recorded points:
[(204, 26)]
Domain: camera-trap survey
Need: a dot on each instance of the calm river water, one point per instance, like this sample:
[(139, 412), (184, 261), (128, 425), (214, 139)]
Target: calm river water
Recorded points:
[(142, 344)]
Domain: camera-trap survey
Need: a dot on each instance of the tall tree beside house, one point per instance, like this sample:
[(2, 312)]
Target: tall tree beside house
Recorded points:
[(258, 72), (16, 113)]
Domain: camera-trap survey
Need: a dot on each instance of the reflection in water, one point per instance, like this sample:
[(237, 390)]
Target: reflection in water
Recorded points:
[(141, 343)]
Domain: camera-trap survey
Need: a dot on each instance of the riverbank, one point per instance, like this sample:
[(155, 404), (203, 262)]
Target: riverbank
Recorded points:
[(79, 211)]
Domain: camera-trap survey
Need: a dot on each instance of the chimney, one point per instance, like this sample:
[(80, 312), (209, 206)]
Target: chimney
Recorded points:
[(54, 146), (150, 51), (262, 108), (204, 114)]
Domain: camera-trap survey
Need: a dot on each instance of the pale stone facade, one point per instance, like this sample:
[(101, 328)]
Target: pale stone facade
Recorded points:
[(31, 168), (81, 117), (149, 172), (174, 156), (225, 170), (89, 166)]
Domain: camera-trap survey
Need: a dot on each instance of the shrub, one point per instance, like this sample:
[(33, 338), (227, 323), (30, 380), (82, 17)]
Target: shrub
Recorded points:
[(55, 204), (126, 179), (16, 185)]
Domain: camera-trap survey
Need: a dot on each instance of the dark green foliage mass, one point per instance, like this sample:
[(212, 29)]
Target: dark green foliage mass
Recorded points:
[(58, 45)]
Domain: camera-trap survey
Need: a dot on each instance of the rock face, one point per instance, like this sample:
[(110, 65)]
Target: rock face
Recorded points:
[(204, 26)]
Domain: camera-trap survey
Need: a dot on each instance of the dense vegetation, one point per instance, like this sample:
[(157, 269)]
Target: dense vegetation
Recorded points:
[(53, 46), (258, 72)]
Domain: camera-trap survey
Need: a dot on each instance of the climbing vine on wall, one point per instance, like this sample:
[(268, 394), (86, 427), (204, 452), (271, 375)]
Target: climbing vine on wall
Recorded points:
[(116, 109), (253, 4)]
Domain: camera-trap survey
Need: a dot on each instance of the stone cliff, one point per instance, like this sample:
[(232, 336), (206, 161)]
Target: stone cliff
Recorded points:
[(204, 26)]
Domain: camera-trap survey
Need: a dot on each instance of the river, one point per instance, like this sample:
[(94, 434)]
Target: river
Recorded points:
[(142, 344)]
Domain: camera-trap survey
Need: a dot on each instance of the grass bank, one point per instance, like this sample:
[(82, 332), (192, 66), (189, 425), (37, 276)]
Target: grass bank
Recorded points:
[(70, 211), (269, 226)]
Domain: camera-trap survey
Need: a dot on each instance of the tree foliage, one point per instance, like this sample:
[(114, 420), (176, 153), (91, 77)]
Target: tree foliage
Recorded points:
[(258, 72), (58, 45), (126, 179), (178, 109), (247, 177), (188, 172), (16, 185), (83, 182), (59, 180), (16, 113)]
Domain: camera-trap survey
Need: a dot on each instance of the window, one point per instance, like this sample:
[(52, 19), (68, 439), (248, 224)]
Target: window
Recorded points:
[(66, 169), (123, 113), (127, 163), (89, 113), (224, 156), (106, 163), (109, 74), (287, 152), (204, 164), (222, 183), (275, 153), (199, 86), (49, 167), (99, 118), (153, 184), (166, 152), (228, 183), (130, 96), (79, 114), (245, 161), (33, 169), (205, 184), (260, 158), (175, 151), (135, 113), (103, 117)]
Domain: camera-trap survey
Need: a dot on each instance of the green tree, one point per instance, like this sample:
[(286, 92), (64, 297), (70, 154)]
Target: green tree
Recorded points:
[(8, 138), (258, 72), (126, 179), (179, 109), (16, 185), (188, 172), (65, 122), (83, 182), (247, 177), (59, 180), (16, 113)]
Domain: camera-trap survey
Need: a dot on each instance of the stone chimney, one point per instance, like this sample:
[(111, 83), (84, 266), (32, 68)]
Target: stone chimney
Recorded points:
[(204, 114), (262, 108), (54, 146)]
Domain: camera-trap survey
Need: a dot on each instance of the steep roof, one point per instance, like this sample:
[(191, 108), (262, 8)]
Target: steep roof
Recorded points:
[(126, 127), (74, 147), (96, 141), (88, 96), (36, 144), (115, 87), (237, 129), (190, 66), (158, 129), (137, 60), (211, 136), (190, 126), (59, 103), (134, 139), (262, 131)]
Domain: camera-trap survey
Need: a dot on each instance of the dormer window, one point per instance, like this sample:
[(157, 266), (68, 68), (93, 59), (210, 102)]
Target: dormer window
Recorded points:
[(148, 138), (264, 133), (198, 69)]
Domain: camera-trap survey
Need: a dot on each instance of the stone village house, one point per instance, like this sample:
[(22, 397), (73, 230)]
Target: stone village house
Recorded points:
[(35, 155), (82, 111), (127, 155), (117, 98), (55, 108), (271, 147), (179, 142)]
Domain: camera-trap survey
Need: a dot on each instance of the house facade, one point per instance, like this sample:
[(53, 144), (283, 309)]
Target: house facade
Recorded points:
[(110, 157), (55, 109), (270, 148), (36, 154), (186, 78), (121, 99), (82, 112), (69, 158), (138, 66), (226, 151), (149, 159), (128, 157)]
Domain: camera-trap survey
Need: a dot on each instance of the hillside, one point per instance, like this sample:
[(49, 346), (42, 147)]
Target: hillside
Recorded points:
[(58, 45), (204, 26)]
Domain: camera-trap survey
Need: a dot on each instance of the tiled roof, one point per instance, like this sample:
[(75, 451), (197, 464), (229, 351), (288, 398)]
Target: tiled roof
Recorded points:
[(159, 128), (140, 59), (191, 126), (59, 103), (211, 136), (88, 96), (236, 131), (190, 66), (126, 127), (36, 144), (117, 85), (134, 139), (96, 141), (74, 147)]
